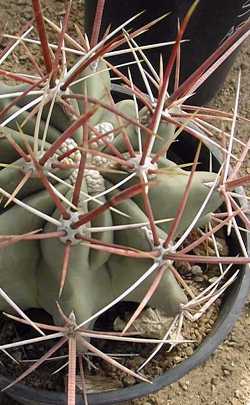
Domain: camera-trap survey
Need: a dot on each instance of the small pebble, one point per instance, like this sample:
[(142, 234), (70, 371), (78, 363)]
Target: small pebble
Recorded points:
[(196, 270), (128, 380), (189, 351), (184, 385), (214, 380), (198, 279), (213, 280), (237, 394)]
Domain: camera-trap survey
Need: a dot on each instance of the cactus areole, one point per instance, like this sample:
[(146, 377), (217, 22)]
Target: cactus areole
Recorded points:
[(93, 209)]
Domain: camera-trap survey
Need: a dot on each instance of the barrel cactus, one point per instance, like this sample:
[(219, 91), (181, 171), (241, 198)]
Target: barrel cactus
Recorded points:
[(93, 208), (94, 277)]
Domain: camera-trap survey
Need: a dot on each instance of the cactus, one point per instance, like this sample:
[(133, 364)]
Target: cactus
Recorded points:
[(93, 277), (93, 207)]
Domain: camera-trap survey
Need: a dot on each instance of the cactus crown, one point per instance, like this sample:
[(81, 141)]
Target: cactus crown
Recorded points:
[(94, 210)]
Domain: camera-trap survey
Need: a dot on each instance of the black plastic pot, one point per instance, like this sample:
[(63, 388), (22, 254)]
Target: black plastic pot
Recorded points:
[(212, 22), (232, 305)]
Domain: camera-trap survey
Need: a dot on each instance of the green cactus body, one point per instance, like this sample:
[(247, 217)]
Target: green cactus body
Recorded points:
[(31, 270), (18, 263), (123, 273)]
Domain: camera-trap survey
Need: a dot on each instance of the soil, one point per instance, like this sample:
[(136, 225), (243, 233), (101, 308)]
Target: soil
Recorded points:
[(225, 378)]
